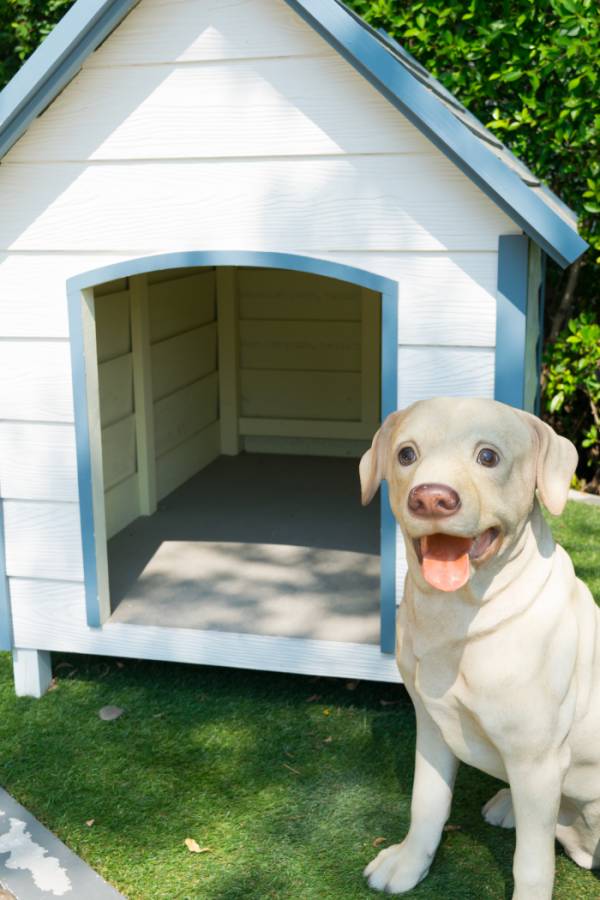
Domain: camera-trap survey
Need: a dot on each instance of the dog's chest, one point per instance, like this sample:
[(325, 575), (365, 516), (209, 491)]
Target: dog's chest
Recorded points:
[(452, 707)]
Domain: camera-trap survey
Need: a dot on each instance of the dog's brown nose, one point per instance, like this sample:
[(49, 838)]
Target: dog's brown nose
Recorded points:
[(433, 501)]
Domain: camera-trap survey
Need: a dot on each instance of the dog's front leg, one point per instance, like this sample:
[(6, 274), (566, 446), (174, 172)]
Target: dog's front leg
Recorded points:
[(535, 787), (400, 867)]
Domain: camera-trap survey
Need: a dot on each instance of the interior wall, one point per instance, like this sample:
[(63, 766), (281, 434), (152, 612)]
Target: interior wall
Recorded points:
[(183, 356), (309, 363), (117, 407), (180, 367)]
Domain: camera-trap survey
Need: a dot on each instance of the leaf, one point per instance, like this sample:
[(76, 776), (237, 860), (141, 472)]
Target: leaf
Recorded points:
[(351, 685), (377, 842), (194, 847), (108, 713), (90, 822)]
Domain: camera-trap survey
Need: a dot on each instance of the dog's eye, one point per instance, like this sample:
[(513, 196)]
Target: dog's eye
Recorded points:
[(406, 456), (488, 457)]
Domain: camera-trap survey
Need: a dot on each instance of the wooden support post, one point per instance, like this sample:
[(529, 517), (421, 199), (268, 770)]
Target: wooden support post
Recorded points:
[(228, 330), (32, 671), (142, 392), (370, 359)]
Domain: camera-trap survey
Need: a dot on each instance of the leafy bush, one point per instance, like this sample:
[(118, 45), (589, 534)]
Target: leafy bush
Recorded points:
[(571, 378)]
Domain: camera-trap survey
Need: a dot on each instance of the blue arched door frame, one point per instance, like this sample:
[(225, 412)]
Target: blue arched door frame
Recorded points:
[(386, 287)]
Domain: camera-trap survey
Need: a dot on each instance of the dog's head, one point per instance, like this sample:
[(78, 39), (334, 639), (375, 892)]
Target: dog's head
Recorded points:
[(462, 475)]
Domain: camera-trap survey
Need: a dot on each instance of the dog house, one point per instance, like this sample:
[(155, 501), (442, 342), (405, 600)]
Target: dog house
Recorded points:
[(233, 238)]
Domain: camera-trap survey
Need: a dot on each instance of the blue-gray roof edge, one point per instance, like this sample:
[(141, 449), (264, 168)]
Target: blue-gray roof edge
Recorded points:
[(88, 23)]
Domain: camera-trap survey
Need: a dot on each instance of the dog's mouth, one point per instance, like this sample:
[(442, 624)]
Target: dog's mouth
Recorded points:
[(445, 558)]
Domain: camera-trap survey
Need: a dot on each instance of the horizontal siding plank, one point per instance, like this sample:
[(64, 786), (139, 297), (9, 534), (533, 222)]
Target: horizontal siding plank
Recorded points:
[(33, 293), (323, 346), (207, 31), (277, 107), (115, 384), (113, 325), (43, 540), (181, 304), (408, 203), (35, 381), (38, 461), (121, 504), (425, 372), (281, 294), (118, 451), (185, 412), (178, 465), (183, 359), (300, 395)]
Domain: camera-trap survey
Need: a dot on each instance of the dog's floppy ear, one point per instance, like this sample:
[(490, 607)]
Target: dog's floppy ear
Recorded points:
[(556, 463), (373, 462)]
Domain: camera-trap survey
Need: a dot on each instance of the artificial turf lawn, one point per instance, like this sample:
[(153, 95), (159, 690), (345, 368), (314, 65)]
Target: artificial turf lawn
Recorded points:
[(288, 790)]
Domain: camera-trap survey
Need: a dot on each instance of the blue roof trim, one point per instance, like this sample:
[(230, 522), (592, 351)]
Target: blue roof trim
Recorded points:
[(431, 117), (58, 58), (89, 22)]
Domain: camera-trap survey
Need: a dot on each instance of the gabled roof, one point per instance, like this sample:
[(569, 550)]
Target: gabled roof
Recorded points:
[(380, 59)]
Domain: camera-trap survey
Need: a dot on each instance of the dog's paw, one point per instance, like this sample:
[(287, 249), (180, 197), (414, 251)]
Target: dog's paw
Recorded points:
[(499, 810), (396, 869)]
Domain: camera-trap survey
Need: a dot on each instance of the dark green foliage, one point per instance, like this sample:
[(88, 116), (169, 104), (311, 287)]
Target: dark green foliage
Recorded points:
[(571, 377), (23, 25)]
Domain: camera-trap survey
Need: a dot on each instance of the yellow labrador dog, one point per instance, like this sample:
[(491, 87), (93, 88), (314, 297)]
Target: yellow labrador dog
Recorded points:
[(498, 642)]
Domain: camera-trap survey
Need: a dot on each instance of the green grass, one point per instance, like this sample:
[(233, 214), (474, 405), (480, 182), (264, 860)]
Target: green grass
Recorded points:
[(288, 794)]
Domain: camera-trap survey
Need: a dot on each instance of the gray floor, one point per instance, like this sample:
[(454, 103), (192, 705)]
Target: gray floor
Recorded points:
[(258, 544)]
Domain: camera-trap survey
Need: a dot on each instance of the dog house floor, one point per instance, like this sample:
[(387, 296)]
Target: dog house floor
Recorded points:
[(260, 544)]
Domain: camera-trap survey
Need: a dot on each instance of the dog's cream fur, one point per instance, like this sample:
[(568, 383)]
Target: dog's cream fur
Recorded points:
[(504, 673)]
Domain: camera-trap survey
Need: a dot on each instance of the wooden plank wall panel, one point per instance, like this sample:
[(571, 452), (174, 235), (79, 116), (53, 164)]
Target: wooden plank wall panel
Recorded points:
[(118, 451), (116, 389), (43, 538), (324, 346), (176, 466), (184, 374), (181, 360), (113, 325), (185, 412), (121, 503), (313, 204), (301, 395), (269, 107), (180, 304), (278, 294), (38, 461)]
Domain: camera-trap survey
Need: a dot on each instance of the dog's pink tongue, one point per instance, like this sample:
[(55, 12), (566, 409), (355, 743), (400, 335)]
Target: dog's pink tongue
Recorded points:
[(445, 563)]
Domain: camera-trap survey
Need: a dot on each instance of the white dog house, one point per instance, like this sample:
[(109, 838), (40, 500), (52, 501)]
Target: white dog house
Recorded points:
[(233, 237)]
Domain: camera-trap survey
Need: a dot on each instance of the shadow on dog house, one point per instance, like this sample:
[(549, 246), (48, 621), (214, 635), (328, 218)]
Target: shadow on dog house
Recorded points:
[(234, 236)]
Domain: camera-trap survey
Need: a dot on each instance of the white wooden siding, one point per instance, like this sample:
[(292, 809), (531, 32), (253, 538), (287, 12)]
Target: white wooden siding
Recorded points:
[(344, 178), (312, 204), (209, 30), (295, 110)]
